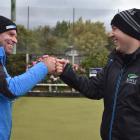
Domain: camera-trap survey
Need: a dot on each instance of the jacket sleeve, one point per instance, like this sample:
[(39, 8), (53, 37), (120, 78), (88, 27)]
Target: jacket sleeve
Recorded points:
[(20, 85), (90, 87)]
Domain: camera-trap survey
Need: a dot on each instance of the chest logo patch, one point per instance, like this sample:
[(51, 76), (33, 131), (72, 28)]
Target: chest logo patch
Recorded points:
[(132, 79)]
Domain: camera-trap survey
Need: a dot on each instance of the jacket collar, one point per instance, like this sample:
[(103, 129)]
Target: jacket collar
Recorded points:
[(2, 55), (124, 58)]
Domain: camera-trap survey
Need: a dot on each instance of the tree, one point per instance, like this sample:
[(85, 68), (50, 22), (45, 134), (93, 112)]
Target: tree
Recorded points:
[(91, 39), (27, 42), (16, 64), (48, 40), (61, 29)]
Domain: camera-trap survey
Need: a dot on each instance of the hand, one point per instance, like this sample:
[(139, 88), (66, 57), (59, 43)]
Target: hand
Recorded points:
[(50, 62), (60, 65), (39, 59), (75, 67)]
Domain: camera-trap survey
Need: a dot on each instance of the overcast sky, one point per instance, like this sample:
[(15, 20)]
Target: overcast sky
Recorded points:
[(48, 12)]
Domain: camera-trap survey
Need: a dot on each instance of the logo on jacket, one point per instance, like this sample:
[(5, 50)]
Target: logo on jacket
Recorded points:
[(132, 79)]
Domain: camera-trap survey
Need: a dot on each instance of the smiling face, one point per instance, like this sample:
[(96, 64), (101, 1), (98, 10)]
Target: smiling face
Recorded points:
[(8, 40), (124, 43)]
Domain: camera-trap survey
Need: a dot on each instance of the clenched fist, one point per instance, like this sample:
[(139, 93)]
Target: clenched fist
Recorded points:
[(50, 62), (60, 65)]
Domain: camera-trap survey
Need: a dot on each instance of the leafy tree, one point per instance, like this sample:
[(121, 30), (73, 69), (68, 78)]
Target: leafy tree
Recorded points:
[(98, 59), (27, 42), (61, 29), (49, 42), (16, 64), (91, 39)]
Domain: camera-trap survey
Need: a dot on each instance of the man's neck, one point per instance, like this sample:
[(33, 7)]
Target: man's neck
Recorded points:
[(133, 46)]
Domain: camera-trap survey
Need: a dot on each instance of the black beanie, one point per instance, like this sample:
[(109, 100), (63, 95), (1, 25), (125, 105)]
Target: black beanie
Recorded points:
[(128, 21), (6, 24)]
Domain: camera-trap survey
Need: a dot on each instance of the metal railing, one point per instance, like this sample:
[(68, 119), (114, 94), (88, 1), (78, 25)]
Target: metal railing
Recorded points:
[(47, 87)]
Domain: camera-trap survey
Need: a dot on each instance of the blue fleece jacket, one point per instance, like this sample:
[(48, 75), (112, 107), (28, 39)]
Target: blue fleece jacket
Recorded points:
[(18, 85)]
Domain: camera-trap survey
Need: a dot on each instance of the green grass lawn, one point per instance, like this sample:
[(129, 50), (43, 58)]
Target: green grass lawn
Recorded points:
[(53, 118)]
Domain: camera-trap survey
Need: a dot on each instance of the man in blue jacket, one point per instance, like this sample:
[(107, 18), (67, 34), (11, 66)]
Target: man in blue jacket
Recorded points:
[(13, 87), (118, 84)]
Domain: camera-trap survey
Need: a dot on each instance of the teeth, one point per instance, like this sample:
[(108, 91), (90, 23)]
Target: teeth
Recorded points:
[(115, 40)]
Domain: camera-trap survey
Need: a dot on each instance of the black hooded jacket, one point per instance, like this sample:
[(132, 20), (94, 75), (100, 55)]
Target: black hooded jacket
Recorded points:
[(118, 84)]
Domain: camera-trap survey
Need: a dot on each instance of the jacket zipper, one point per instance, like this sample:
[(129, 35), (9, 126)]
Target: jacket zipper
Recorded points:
[(115, 101)]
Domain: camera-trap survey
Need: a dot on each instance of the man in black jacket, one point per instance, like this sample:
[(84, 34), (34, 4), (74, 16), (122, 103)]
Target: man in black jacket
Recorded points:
[(118, 84)]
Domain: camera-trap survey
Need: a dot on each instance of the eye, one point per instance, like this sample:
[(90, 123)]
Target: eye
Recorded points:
[(114, 28)]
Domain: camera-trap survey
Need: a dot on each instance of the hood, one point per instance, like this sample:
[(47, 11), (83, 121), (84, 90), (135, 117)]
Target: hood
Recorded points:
[(2, 55)]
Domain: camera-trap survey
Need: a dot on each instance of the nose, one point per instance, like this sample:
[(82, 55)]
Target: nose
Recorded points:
[(14, 39), (110, 34)]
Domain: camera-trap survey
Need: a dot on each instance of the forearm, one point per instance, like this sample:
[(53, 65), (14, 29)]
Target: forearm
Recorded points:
[(86, 86), (20, 85)]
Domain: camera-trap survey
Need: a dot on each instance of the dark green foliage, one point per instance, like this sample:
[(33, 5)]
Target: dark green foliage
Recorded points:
[(16, 64), (27, 41)]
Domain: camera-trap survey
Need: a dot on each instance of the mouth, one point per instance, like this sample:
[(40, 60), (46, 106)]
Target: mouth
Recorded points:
[(10, 47), (115, 41), (10, 44)]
